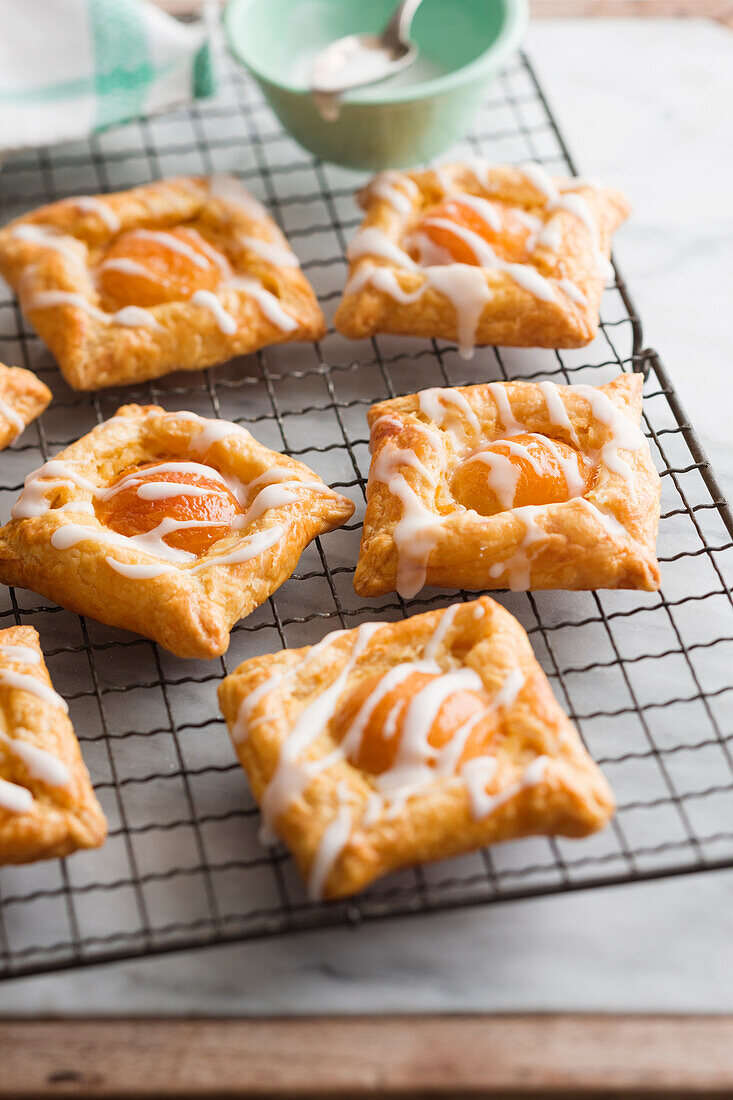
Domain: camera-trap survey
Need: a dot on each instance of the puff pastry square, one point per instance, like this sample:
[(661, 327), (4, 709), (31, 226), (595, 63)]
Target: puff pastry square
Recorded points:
[(515, 485), (23, 397), (167, 524), (398, 743), (47, 804), (175, 275), (481, 254)]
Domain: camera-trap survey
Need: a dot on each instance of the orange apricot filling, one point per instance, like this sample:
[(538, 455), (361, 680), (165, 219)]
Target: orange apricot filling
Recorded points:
[(137, 502), (524, 470), (379, 744), (150, 267), (503, 229)]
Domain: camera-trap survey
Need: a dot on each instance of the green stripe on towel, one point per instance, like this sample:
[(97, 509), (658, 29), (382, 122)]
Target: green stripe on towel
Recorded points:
[(123, 70)]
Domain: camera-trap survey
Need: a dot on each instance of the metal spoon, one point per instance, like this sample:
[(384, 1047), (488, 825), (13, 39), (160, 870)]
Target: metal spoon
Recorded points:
[(362, 59)]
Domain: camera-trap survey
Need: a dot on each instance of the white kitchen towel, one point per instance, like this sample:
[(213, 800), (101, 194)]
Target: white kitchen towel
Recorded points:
[(70, 67)]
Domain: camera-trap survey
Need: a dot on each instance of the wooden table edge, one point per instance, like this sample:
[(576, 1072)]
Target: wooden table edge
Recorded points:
[(505, 1056)]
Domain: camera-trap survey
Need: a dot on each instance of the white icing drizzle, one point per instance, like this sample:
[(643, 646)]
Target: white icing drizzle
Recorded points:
[(624, 434), (510, 425), (400, 198), (465, 288), (429, 253), (46, 236), (281, 493), (15, 799), (128, 317), (550, 236), (415, 533), (609, 523), (485, 209), (207, 300), (415, 755), (414, 537), (268, 303), (39, 763), (250, 547), (152, 542), (503, 474), (272, 252), (390, 458), (482, 251), (244, 722), (574, 293), (212, 430), (556, 198), (77, 506), (22, 653), (417, 530), (444, 176), (528, 278), (331, 845), (292, 775), (34, 502), (21, 681), (437, 638), (417, 763), (556, 411), (541, 180), (569, 466), (131, 267), (573, 204), (165, 490), (217, 258), (173, 244), (137, 571), (524, 275), (14, 418), (90, 204), (479, 772), (433, 403), (52, 474), (231, 190), (159, 490), (351, 741), (134, 317), (518, 566), (373, 241)]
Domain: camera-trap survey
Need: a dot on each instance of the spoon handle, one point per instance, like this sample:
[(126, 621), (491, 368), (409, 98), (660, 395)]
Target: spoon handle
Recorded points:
[(397, 31)]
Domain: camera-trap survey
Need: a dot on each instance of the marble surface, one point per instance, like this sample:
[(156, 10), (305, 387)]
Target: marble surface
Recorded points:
[(643, 104)]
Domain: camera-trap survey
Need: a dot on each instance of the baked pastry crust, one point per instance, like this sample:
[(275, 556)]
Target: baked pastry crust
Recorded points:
[(550, 301), (47, 804), (23, 397), (419, 534), (341, 827), (57, 545), (49, 257)]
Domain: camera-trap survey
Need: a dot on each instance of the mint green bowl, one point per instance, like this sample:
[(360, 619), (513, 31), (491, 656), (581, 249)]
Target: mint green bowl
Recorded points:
[(389, 125)]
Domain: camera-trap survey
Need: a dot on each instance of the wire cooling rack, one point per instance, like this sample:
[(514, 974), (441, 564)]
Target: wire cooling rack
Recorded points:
[(646, 676)]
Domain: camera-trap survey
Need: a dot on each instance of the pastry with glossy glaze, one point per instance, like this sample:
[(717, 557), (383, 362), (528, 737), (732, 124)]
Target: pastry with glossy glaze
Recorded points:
[(397, 743), (481, 254), (516, 485), (47, 804), (166, 523), (174, 275)]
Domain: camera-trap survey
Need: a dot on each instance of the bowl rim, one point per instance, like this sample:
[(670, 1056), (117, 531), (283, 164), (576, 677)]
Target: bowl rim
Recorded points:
[(516, 18)]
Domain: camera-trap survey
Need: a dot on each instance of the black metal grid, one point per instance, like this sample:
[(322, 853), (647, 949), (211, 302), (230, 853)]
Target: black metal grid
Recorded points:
[(645, 676)]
